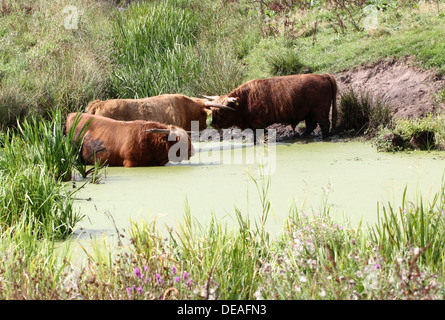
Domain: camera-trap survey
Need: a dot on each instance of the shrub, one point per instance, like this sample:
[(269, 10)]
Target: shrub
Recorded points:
[(286, 63), (361, 115), (423, 133)]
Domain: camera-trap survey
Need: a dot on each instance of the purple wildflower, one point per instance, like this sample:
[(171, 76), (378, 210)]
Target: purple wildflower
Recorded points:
[(137, 272), (139, 289), (174, 270), (189, 283), (186, 275), (177, 279)]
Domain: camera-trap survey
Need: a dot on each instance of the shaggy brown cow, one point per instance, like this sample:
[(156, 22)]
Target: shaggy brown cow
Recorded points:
[(174, 109), (131, 143), (287, 99)]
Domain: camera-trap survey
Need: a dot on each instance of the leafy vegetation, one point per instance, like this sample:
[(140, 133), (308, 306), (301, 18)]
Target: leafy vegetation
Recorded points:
[(423, 133), (314, 257)]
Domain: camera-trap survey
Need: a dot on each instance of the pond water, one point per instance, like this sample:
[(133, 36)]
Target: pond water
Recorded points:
[(352, 177)]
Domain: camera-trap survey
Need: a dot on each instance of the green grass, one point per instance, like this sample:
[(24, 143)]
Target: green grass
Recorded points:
[(401, 31), (35, 161), (416, 35), (430, 127), (44, 65), (360, 115), (201, 47), (154, 44), (160, 48)]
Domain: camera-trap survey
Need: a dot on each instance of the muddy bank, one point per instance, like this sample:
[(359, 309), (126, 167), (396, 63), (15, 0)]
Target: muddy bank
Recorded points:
[(407, 90)]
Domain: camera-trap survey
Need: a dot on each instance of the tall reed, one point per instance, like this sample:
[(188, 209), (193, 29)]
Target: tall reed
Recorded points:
[(35, 161), (154, 49), (416, 226), (48, 144)]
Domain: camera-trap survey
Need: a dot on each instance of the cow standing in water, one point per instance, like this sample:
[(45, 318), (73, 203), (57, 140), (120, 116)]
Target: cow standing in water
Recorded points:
[(130, 143), (286, 99), (174, 109)]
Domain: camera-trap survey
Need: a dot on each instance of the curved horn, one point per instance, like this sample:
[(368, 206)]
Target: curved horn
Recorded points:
[(212, 104), (210, 97), (164, 131)]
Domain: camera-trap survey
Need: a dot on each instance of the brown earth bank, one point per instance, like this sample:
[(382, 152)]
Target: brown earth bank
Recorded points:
[(409, 91)]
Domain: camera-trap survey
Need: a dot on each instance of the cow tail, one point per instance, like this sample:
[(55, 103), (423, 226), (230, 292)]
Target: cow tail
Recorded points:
[(334, 102)]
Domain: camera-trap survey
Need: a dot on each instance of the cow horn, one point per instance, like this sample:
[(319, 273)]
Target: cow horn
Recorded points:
[(164, 131), (211, 104), (210, 97)]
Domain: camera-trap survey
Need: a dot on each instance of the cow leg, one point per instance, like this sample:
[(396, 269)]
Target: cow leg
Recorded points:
[(129, 163), (324, 126), (310, 126)]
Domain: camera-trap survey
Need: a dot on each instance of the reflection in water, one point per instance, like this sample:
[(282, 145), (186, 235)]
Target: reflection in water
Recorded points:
[(351, 177)]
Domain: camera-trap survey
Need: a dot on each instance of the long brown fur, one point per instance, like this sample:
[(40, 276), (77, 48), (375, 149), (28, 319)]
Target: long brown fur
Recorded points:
[(170, 109), (286, 99), (126, 143)]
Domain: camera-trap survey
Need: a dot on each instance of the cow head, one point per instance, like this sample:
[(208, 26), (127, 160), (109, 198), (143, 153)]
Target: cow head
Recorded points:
[(179, 143), (225, 111)]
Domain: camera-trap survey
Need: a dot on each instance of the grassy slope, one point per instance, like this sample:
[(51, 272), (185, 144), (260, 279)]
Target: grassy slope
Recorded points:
[(44, 65), (400, 32)]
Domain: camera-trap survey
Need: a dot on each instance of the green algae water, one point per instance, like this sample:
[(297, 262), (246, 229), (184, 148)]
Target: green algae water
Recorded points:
[(351, 178)]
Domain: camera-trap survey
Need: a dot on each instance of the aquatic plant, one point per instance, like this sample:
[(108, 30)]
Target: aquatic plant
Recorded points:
[(35, 161), (48, 144)]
